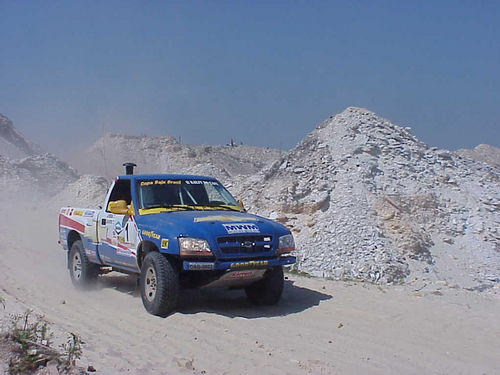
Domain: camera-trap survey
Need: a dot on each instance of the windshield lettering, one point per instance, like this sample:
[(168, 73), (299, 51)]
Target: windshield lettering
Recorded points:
[(164, 195), (201, 182)]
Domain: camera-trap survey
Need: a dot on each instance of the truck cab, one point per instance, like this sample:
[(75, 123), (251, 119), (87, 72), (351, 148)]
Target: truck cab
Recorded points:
[(176, 231)]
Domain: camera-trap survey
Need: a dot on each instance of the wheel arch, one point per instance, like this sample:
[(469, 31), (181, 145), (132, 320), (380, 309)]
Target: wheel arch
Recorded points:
[(146, 247), (143, 249), (73, 236)]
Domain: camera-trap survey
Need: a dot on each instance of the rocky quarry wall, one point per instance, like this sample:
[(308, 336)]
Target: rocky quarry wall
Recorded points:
[(367, 200)]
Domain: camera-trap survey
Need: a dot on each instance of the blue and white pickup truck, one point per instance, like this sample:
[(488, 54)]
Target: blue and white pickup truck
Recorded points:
[(176, 231)]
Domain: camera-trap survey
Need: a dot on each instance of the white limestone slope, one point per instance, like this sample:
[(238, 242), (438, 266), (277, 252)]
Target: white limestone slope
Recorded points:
[(23, 166), (166, 155), (483, 153), (367, 200), (88, 191)]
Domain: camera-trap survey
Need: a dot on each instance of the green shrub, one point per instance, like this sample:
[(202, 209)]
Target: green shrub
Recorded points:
[(34, 338)]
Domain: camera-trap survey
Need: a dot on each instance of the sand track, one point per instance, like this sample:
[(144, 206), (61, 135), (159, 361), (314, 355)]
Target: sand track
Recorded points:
[(320, 326)]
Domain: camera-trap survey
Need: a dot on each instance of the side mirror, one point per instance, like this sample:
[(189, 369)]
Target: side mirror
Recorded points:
[(240, 203), (120, 208)]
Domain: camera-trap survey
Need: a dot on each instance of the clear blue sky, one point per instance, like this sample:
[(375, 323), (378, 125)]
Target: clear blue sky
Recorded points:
[(261, 72)]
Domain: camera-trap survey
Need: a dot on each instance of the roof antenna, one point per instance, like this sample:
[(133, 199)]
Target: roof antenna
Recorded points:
[(129, 168)]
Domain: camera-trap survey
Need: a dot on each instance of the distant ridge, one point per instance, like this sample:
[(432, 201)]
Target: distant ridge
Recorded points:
[(12, 144), (483, 153), (23, 167), (164, 154)]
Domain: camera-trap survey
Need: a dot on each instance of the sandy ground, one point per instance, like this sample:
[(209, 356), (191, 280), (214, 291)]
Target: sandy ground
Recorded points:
[(319, 327)]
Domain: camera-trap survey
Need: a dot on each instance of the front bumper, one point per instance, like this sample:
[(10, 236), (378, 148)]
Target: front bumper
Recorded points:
[(189, 265)]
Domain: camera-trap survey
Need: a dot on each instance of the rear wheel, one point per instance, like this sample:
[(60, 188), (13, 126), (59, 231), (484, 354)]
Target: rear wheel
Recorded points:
[(82, 272), (159, 284), (268, 290)]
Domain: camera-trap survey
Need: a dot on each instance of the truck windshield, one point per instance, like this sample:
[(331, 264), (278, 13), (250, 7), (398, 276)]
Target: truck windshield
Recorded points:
[(174, 195)]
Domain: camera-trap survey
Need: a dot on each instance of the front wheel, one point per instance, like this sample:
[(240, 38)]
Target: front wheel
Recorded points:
[(82, 272), (159, 284), (268, 290)]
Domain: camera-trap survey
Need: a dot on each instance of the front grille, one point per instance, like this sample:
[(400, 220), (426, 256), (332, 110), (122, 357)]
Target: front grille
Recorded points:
[(245, 244)]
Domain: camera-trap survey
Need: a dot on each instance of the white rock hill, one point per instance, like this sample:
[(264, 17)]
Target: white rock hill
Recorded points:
[(43, 174), (484, 153), (166, 155), (12, 144), (23, 168), (88, 191), (369, 201)]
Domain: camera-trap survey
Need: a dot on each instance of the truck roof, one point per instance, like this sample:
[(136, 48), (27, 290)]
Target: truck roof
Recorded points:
[(165, 177)]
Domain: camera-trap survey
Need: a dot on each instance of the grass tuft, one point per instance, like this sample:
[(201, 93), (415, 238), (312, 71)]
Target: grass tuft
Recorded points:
[(32, 337)]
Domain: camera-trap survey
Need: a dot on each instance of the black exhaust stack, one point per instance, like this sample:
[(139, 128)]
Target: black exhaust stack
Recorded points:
[(129, 168)]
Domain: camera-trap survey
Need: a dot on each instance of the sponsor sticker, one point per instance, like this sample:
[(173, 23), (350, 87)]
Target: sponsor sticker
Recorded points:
[(151, 234), (249, 264), (160, 182), (242, 274), (118, 227), (241, 228), (201, 182), (164, 243), (88, 213), (78, 213), (222, 218)]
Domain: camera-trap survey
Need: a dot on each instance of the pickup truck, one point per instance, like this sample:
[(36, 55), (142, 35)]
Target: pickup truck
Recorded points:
[(176, 231)]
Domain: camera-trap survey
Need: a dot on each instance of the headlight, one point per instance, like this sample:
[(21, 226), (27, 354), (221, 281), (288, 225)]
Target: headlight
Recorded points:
[(193, 247), (286, 244)]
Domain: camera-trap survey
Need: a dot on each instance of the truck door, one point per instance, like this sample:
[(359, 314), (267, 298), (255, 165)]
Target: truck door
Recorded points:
[(118, 235)]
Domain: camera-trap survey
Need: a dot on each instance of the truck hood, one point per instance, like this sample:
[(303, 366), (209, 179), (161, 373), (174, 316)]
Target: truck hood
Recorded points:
[(208, 225), (204, 224)]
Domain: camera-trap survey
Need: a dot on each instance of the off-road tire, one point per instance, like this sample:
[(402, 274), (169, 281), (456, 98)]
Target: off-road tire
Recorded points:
[(159, 284), (268, 290), (82, 272)]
